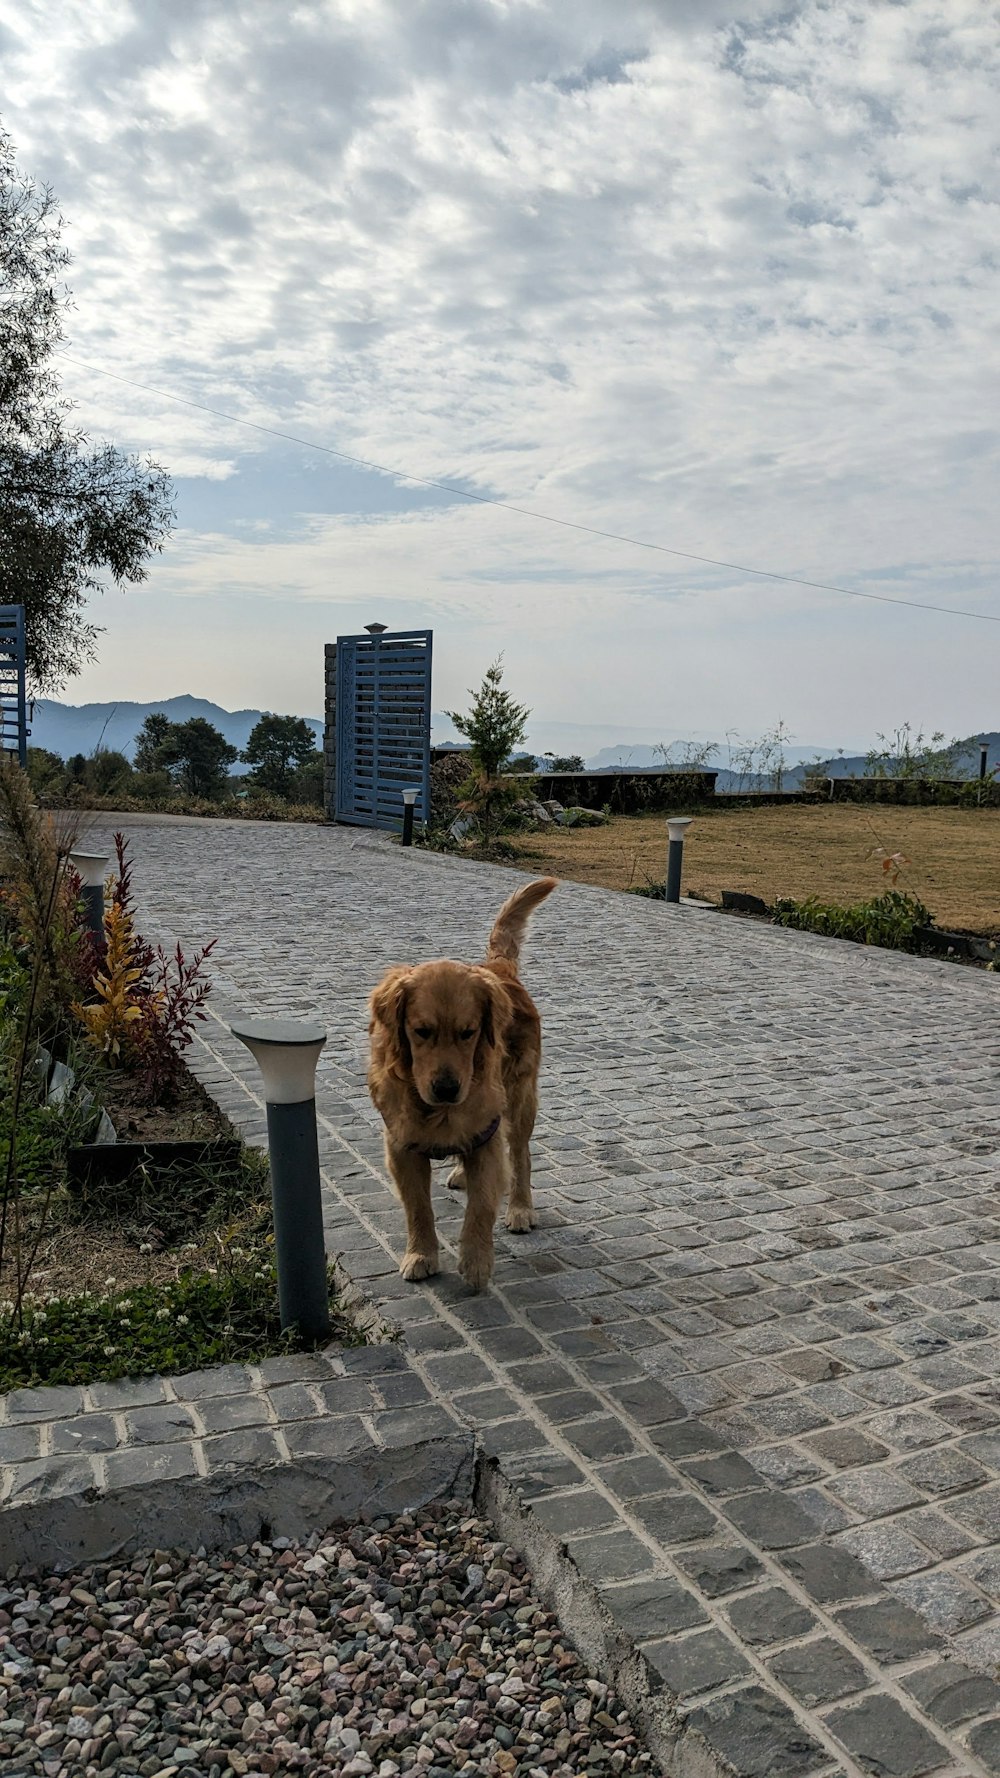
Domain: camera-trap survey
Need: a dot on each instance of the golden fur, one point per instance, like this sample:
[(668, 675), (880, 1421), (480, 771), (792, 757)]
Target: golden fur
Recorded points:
[(454, 1048)]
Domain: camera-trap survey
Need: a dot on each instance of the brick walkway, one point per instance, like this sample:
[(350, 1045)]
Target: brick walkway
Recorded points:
[(746, 1364)]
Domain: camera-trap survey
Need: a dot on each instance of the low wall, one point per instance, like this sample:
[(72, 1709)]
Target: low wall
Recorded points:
[(628, 793), (968, 792)]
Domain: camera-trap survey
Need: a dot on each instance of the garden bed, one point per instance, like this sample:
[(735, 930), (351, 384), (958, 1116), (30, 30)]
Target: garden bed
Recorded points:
[(135, 1229), (168, 1268)]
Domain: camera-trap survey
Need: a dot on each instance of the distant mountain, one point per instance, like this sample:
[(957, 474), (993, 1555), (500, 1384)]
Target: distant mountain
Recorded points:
[(80, 728)]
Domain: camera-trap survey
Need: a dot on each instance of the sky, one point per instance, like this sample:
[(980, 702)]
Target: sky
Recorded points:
[(717, 278)]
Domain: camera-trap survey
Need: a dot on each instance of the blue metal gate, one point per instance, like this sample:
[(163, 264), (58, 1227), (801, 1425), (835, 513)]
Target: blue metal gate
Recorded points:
[(13, 707), (383, 726)]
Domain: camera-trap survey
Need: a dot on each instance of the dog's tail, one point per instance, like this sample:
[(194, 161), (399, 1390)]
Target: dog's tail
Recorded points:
[(508, 931)]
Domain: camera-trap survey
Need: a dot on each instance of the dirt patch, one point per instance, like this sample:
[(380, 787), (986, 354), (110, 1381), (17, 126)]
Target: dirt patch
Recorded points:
[(193, 1117), (807, 849)]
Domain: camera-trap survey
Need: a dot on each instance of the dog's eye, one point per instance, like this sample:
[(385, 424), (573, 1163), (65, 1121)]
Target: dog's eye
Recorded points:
[(464, 1036), (423, 1031)]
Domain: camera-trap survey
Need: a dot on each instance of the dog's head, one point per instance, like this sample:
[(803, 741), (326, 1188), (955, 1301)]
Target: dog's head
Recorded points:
[(440, 1021)]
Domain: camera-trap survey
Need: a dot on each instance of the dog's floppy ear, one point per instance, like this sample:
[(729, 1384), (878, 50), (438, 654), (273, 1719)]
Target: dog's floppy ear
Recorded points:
[(496, 1013), (388, 1009)]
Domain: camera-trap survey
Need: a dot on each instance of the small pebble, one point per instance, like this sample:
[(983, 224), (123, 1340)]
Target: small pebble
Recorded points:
[(411, 1649)]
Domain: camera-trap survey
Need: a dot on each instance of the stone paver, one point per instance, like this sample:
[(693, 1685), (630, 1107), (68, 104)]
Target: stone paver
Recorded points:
[(745, 1365)]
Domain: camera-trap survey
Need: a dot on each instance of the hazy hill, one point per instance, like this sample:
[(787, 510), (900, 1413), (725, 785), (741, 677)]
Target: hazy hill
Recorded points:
[(79, 728)]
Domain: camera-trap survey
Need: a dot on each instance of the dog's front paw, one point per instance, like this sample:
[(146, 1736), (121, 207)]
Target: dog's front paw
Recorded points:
[(520, 1218), (476, 1266), (415, 1266), (456, 1180)]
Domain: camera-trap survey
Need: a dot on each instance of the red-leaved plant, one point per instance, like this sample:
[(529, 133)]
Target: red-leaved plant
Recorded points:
[(163, 995), (159, 1038)]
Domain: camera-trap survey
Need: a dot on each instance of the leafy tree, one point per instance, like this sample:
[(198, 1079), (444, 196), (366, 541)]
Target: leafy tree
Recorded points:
[(70, 510), (308, 783), (278, 749), (564, 762), (109, 771), (150, 741), (495, 725), (46, 770), (198, 757)]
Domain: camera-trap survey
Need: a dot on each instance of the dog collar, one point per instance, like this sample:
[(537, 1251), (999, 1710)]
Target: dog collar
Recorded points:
[(444, 1154)]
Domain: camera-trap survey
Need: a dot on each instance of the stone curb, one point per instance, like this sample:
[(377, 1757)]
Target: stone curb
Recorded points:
[(281, 1499)]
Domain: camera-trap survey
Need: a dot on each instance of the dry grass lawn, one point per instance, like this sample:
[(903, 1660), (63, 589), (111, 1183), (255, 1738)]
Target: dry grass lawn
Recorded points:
[(800, 850)]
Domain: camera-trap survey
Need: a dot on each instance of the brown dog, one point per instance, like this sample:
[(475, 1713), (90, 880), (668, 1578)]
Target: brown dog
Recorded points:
[(455, 1051)]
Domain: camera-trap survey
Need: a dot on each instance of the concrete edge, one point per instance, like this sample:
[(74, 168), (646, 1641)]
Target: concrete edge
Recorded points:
[(235, 1506), (678, 1748), (238, 1506)]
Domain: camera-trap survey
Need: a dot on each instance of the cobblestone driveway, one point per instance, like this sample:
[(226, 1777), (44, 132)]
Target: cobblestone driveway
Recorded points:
[(747, 1364)]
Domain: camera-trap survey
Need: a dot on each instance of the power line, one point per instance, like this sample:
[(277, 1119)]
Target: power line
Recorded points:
[(525, 512)]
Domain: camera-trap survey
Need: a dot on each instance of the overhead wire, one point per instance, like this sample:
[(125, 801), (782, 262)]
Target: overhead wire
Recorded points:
[(526, 512)]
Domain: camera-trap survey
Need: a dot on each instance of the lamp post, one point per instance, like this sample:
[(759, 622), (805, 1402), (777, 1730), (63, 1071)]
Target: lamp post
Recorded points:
[(92, 870), (677, 827), (409, 803), (286, 1052)]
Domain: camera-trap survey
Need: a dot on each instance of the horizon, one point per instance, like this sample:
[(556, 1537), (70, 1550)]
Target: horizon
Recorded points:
[(720, 282), (588, 739)]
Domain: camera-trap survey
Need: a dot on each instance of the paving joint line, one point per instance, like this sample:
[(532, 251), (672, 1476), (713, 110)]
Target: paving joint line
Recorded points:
[(882, 1679)]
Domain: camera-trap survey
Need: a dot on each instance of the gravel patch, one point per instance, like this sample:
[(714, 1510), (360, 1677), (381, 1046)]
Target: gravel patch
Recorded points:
[(413, 1649)]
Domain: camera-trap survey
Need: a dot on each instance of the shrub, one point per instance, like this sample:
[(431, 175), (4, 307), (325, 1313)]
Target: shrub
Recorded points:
[(145, 1003), (893, 920)]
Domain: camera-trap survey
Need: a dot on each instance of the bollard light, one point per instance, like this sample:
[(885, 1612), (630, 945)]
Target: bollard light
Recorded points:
[(286, 1052), (92, 869), (677, 827), (409, 804)]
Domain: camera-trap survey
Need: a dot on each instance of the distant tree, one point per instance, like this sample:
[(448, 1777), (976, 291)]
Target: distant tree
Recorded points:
[(70, 510), (150, 741), (521, 762), (495, 724), (198, 757), (308, 782), (564, 762), (108, 772), (46, 770), (278, 749)]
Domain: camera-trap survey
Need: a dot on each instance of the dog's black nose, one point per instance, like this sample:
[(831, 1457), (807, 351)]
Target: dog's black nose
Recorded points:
[(445, 1088)]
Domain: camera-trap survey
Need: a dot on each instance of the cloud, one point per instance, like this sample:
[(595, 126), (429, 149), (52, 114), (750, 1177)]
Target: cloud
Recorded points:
[(716, 275)]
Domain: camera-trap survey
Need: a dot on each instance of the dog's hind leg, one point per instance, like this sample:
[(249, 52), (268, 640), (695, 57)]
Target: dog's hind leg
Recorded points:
[(411, 1175), (521, 1122), (456, 1180)]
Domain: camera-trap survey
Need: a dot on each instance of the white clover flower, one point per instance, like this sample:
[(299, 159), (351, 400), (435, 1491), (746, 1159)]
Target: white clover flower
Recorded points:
[(43, 1340), (109, 1351), (24, 1339), (163, 1314), (146, 1247), (40, 1315), (182, 1321), (124, 1322), (109, 1283)]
